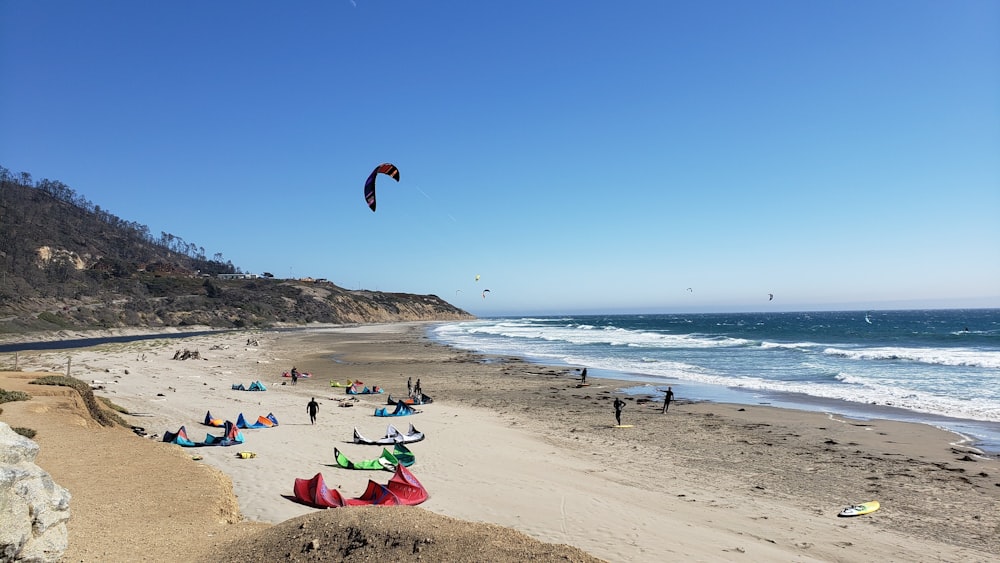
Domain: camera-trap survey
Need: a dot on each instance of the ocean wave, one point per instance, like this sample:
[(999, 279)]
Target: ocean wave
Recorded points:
[(591, 335), (935, 356), (858, 390), (789, 345)]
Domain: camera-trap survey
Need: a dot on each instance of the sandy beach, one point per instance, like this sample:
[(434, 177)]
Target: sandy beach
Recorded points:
[(508, 443)]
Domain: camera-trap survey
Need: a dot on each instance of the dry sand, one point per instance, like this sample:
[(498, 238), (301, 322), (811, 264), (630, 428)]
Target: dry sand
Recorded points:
[(508, 443)]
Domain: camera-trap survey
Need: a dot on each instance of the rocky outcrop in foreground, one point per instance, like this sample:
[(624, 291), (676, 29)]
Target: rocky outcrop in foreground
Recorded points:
[(33, 509)]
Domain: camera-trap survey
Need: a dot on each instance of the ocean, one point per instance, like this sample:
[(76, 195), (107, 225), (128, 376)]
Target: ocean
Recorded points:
[(939, 367)]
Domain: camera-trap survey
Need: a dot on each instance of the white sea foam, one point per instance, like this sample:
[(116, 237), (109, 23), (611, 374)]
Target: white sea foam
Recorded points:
[(612, 336), (939, 356)]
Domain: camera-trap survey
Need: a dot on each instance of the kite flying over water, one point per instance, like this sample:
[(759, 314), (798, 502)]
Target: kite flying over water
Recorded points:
[(485, 291), (385, 168)]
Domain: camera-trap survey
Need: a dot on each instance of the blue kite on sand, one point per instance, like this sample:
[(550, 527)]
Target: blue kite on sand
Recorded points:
[(255, 386), (402, 409), (268, 421), (230, 437)]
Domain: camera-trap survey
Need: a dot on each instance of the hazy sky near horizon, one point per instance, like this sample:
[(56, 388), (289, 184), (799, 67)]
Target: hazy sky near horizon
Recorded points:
[(580, 156)]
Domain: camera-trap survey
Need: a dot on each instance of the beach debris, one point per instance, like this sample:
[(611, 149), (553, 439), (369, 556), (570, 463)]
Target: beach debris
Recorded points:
[(386, 168), (187, 355)]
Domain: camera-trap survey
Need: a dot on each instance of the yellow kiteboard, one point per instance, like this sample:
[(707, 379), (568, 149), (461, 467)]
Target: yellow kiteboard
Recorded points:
[(623, 426), (859, 509)]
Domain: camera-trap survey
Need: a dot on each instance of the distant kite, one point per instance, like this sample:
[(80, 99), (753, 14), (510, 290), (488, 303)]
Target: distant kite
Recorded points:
[(385, 168), (477, 277), (485, 291), (691, 290), (770, 297)]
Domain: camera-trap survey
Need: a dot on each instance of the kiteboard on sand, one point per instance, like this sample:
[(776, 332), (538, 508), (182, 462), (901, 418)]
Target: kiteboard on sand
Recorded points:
[(622, 426), (859, 509)]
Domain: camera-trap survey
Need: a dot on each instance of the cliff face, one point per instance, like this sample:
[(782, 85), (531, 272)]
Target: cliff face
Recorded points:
[(225, 304)]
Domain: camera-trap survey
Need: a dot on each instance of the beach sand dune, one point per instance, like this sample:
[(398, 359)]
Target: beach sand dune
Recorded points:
[(508, 443)]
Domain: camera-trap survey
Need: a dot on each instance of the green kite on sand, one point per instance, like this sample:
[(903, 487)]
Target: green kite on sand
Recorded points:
[(400, 455)]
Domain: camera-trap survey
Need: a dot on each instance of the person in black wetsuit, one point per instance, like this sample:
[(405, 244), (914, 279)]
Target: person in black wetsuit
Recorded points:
[(619, 405), (667, 397), (312, 408)]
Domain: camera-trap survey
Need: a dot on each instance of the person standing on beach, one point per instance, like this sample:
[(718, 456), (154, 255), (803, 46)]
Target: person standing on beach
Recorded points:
[(312, 408), (667, 397), (295, 375), (619, 405), (409, 386), (583, 376), (417, 391)]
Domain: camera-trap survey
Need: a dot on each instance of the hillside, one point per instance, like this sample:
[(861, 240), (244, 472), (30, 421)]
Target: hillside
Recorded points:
[(66, 263)]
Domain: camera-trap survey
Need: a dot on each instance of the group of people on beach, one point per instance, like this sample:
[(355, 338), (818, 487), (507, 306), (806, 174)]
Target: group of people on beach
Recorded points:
[(619, 404), (414, 391)]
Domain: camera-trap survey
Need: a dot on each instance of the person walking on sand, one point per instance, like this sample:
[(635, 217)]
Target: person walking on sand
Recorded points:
[(312, 408), (295, 375), (667, 397), (619, 405)]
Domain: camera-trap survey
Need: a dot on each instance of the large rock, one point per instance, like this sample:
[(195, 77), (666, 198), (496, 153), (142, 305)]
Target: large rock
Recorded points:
[(33, 509)]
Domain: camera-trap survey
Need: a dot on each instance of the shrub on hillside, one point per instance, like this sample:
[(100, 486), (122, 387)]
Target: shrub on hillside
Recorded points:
[(8, 396)]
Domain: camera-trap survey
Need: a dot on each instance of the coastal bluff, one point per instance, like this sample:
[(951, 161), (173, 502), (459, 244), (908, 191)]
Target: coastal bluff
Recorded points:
[(223, 304)]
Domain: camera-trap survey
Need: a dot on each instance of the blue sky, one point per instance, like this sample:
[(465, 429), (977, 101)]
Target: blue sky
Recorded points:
[(579, 156)]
